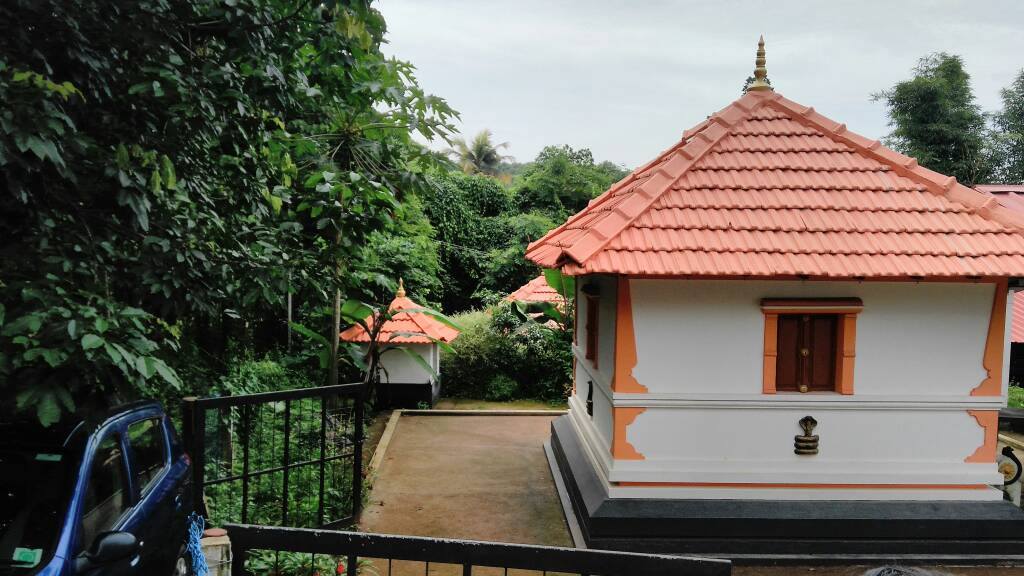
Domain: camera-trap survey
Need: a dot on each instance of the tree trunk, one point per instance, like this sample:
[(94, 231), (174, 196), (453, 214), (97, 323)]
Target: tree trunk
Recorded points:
[(334, 336), (332, 374)]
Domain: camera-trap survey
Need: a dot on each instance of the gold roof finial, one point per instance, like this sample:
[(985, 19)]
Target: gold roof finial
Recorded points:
[(401, 289), (760, 82)]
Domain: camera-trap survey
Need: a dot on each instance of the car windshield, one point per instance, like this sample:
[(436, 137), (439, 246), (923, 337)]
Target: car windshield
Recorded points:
[(34, 494)]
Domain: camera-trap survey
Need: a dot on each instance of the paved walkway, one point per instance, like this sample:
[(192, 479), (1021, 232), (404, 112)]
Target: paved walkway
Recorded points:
[(470, 477)]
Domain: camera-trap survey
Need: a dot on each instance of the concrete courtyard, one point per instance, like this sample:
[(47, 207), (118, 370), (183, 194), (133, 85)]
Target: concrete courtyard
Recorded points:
[(472, 477)]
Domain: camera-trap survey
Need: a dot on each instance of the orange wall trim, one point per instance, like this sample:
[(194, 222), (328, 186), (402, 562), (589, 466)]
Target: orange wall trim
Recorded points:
[(771, 352), (621, 419), (992, 360), (625, 343), (815, 486), (989, 421), (846, 352)]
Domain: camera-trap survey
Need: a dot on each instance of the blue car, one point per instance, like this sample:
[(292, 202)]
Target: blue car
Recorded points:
[(104, 495)]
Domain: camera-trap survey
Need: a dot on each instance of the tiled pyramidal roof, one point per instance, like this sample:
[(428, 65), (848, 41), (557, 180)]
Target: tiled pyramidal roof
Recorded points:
[(404, 327), (767, 187), (537, 290)]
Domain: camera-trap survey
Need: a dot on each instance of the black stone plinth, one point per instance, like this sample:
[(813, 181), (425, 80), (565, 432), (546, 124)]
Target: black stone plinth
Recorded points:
[(787, 532), (406, 395)]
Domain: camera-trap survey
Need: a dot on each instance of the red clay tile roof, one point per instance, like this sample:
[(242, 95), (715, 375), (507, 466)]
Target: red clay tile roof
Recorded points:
[(767, 187), (404, 327), (537, 290), (1009, 195)]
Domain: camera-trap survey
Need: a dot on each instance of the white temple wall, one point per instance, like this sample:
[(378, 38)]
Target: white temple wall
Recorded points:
[(922, 340), (706, 423), (400, 368)]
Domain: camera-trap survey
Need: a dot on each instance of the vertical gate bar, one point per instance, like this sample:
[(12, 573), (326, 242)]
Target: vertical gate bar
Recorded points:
[(323, 456), (188, 429), (238, 554), (285, 461), (467, 570), (199, 460), (357, 464), (245, 463), (351, 565)]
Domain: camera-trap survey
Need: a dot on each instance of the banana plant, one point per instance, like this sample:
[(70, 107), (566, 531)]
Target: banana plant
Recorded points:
[(562, 315)]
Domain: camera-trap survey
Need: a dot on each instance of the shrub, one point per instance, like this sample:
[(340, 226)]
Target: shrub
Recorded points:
[(1016, 397), (470, 368), (498, 344), (248, 376), (501, 388)]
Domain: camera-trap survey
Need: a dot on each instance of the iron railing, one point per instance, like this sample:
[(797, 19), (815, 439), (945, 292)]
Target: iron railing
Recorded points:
[(388, 555), (288, 458)]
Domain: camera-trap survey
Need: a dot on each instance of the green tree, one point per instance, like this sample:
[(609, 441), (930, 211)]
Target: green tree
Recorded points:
[(562, 180), (1009, 123), (505, 268), (479, 155), (453, 206), (406, 249), (172, 165), (936, 120)]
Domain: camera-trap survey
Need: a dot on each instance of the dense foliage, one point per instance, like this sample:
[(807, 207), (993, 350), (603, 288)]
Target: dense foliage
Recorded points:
[(562, 180), (936, 119), (482, 227), (499, 356), (172, 170)]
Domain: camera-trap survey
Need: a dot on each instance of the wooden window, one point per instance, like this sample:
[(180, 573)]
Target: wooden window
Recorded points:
[(807, 352), (809, 344), (591, 328)]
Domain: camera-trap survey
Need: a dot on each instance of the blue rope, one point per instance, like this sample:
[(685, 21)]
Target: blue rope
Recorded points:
[(196, 525)]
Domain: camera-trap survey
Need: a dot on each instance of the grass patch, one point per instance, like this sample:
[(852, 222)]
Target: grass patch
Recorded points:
[(1016, 397), (520, 404)]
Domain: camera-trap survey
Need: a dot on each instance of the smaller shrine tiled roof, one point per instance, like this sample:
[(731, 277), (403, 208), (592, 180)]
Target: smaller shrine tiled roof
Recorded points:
[(404, 327), (537, 290)]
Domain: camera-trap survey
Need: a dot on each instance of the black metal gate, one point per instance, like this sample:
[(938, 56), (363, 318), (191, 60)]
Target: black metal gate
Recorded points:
[(288, 458), (262, 549)]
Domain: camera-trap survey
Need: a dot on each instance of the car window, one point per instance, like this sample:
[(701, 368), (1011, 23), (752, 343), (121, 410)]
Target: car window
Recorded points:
[(148, 450), (106, 496), (34, 491)]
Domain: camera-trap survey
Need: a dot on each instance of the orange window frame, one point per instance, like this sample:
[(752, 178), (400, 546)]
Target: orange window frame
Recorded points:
[(846, 309)]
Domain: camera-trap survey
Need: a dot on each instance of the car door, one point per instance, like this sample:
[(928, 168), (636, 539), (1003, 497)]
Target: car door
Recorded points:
[(153, 519), (106, 497)]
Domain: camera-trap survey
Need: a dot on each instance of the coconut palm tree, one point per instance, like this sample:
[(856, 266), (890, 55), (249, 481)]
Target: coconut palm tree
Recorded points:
[(479, 156)]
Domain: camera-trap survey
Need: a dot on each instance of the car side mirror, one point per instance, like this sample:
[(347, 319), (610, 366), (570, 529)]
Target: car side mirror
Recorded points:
[(110, 547)]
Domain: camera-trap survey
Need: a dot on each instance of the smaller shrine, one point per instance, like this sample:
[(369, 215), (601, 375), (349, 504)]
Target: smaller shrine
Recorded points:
[(406, 381)]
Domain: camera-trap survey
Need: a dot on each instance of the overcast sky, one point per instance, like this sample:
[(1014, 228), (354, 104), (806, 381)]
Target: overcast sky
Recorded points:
[(626, 78)]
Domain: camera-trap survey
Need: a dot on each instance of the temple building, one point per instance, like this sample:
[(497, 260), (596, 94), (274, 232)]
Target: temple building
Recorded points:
[(790, 339)]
